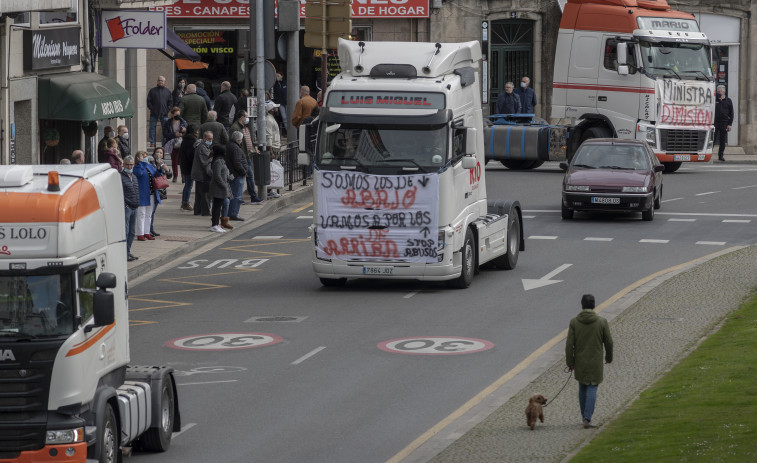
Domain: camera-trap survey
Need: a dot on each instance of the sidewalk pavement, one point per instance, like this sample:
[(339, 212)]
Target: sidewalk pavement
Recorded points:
[(182, 232)]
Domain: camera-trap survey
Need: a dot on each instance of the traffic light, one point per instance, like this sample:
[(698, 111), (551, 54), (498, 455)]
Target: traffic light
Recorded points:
[(326, 21)]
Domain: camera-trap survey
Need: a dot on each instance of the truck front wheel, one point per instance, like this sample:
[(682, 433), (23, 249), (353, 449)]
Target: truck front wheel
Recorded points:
[(108, 437), (468, 261), (508, 260), (671, 167), (158, 439)]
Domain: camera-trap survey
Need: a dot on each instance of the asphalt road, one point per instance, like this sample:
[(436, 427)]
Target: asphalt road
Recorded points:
[(272, 367)]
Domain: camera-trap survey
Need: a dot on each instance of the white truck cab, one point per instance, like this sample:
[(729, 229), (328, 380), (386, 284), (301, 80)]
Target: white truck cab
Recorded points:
[(399, 185)]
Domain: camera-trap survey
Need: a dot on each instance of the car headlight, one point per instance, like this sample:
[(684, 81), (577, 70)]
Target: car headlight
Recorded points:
[(64, 436), (651, 136), (577, 188), (635, 189)]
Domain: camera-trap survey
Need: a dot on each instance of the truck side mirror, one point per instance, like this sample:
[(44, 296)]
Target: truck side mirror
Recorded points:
[(469, 161), (106, 280), (305, 134), (103, 308), (470, 141), (622, 58)]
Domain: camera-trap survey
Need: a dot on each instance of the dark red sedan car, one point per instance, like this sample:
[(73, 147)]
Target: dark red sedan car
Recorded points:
[(609, 174)]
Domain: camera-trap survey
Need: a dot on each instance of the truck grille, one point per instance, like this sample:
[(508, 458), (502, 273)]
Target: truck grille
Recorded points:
[(24, 391), (682, 140)]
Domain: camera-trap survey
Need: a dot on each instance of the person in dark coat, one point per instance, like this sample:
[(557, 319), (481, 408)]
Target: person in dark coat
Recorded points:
[(201, 173), (186, 158), (508, 102), (236, 159), (130, 185), (200, 89), (241, 103), (123, 141), (173, 129), (159, 102), (723, 119), (193, 107), (588, 340), (102, 145), (280, 98), (240, 124), (224, 105), (178, 92), (219, 190), (220, 135), (112, 156), (527, 96)]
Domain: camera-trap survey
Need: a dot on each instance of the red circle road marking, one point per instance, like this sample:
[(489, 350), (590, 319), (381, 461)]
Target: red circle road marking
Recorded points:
[(435, 345), (224, 341)]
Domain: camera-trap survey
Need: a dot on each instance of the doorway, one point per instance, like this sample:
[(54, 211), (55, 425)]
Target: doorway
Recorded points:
[(512, 55)]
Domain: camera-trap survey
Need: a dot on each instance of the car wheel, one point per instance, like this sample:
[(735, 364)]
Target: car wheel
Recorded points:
[(508, 260), (567, 214), (333, 281), (658, 199), (671, 167), (648, 215), (469, 262)]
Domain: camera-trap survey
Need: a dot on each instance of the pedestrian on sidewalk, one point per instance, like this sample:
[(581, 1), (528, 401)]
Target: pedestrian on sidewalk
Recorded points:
[(200, 89), (186, 159), (201, 174), (219, 190), (173, 129), (280, 98), (130, 185), (102, 145), (272, 138), (147, 195), (159, 102), (220, 135), (224, 105), (527, 96), (723, 120), (157, 162), (588, 339), (303, 107), (240, 124), (237, 163), (112, 156), (178, 92), (192, 106), (123, 141), (508, 102)]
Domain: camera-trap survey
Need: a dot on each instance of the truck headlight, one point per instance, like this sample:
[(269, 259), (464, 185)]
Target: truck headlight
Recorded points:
[(635, 189), (577, 188), (651, 137), (711, 142), (64, 436)]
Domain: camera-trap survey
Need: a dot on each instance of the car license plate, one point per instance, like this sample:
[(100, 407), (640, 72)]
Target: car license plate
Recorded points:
[(682, 157), (604, 200), (378, 270)]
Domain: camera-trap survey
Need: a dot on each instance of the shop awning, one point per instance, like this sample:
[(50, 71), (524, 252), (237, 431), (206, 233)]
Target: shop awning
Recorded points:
[(82, 96), (182, 64), (179, 47)]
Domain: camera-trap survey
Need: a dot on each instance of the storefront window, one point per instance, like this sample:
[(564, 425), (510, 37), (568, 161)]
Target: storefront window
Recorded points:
[(217, 48)]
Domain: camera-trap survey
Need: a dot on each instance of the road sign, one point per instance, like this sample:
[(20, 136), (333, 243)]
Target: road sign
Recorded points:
[(435, 345), (327, 18), (224, 341)]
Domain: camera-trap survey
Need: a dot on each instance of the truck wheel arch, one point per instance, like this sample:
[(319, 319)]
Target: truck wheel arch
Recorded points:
[(589, 121)]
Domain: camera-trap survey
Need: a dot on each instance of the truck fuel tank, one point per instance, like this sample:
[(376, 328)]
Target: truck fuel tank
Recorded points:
[(522, 137)]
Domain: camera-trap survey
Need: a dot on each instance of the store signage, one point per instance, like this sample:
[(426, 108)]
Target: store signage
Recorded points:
[(133, 29), (51, 48), (375, 9)]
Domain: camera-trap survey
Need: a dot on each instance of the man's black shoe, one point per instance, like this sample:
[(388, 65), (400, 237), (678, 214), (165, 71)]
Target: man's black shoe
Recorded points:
[(132, 257), (237, 219), (155, 233)]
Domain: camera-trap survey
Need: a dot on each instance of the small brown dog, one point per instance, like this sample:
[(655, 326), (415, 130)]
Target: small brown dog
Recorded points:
[(534, 410)]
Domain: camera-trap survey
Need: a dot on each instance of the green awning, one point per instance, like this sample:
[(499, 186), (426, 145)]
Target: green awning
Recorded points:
[(82, 96)]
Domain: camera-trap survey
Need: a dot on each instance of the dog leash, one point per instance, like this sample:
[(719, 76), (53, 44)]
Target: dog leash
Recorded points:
[(570, 374)]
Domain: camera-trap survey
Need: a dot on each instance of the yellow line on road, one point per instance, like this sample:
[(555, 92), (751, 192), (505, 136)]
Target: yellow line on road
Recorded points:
[(310, 204), (478, 398)]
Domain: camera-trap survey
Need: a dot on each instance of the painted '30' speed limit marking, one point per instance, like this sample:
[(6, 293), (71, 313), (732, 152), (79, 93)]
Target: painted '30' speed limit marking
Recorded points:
[(224, 341), (435, 345)]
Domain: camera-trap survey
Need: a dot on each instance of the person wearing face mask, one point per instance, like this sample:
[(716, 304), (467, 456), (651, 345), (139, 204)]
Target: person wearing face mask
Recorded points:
[(178, 91), (173, 129), (280, 98), (102, 145), (508, 102), (241, 123), (123, 141), (224, 105), (201, 173), (527, 96), (723, 120), (130, 185)]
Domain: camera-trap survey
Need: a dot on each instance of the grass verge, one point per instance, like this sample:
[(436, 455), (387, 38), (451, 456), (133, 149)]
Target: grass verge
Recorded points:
[(703, 410)]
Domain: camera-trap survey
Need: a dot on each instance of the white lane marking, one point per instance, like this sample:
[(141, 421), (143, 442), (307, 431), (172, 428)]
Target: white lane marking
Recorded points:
[(654, 241), (537, 237), (529, 216), (268, 237), (743, 187), (707, 193), (682, 220), (309, 217), (411, 294), (207, 382), (308, 355), (592, 238), (186, 427), (671, 199), (712, 243), (736, 221), (542, 210), (705, 214), (529, 284)]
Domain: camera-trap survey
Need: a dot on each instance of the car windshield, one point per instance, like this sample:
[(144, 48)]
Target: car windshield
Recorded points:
[(603, 156), (367, 147), (682, 60), (34, 306)]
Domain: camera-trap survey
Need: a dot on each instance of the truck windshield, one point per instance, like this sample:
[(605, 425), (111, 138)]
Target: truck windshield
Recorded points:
[(370, 148), (34, 306), (682, 60)]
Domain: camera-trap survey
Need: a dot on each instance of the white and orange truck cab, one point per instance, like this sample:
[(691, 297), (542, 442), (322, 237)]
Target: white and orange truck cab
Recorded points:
[(399, 185), (635, 69), (67, 393)]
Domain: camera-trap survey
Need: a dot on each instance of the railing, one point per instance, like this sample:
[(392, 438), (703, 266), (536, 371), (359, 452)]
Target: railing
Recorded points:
[(293, 173)]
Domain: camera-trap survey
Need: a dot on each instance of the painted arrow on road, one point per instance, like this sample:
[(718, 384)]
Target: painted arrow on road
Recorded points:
[(545, 280)]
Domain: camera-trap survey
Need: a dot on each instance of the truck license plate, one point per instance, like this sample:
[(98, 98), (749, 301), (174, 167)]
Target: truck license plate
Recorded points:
[(682, 157), (603, 200), (378, 270)]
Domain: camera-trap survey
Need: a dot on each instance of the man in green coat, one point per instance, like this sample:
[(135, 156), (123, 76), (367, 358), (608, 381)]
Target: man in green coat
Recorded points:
[(588, 339), (193, 107)]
